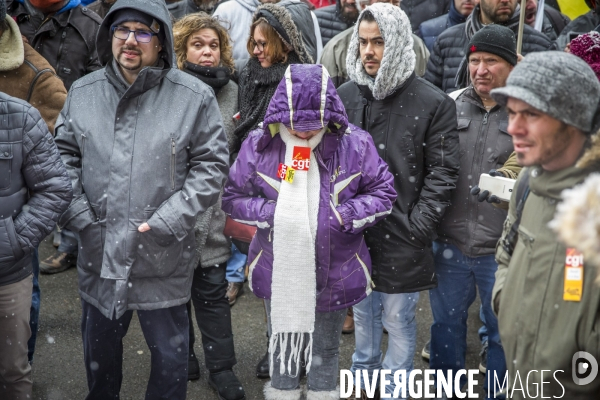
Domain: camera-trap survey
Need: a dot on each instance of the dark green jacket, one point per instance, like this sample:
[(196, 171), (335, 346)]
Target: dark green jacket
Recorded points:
[(539, 330)]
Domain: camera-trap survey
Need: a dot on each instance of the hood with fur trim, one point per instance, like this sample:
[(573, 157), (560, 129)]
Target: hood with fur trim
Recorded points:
[(399, 58), (155, 8), (12, 52), (286, 23)]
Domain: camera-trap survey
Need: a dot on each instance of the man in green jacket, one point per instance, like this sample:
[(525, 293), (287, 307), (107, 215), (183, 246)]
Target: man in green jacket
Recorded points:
[(544, 296)]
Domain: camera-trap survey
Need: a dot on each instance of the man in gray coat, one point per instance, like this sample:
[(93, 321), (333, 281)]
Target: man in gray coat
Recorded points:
[(146, 152)]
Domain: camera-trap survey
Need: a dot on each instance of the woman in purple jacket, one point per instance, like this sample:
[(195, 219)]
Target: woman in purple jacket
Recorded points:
[(311, 183)]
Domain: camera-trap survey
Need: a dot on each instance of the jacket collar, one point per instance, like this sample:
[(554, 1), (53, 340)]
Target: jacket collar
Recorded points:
[(148, 78), (552, 183), (12, 52), (368, 94), (471, 96)]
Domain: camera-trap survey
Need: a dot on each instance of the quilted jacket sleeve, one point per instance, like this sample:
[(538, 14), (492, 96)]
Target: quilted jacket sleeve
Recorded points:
[(435, 66), (47, 181)]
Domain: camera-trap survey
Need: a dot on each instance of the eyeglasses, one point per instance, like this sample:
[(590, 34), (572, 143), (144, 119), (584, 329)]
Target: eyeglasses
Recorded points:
[(261, 46), (122, 33)]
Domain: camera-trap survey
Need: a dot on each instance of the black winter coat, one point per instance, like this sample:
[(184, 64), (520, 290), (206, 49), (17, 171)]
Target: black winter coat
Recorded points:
[(331, 22), (34, 186), (449, 50), (67, 40), (100, 7), (414, 130), (419, 11), (473, 226)]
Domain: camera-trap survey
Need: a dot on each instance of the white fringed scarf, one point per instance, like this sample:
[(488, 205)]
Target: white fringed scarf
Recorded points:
[(294, 281)]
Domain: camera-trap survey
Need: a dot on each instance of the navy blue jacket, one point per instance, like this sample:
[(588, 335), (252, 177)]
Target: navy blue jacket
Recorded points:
[(431, 29)]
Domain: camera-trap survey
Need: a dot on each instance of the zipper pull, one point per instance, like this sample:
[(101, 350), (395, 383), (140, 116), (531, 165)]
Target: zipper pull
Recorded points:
[(172, 146), (485, 118), (270, 232)]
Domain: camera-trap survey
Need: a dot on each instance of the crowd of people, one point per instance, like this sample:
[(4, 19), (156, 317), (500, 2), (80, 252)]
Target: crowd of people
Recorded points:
[(348, 138)]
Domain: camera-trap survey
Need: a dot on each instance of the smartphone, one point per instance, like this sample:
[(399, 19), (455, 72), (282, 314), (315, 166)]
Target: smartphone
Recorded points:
[(573, 35), (497, 185)]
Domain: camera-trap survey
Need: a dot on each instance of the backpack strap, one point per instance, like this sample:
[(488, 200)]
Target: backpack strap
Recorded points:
[(522, 193), (556, 19)]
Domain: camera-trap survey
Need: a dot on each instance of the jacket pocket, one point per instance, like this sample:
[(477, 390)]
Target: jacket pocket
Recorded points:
[(82, 151), (354, 283), (156, 258), (10, 249), (526, 238), (6, 156), (370, 285), (504, 146), (463, 129), (149, 212), (251, 268), (411, 156), (173, 149), (91, 240), (260, 274)]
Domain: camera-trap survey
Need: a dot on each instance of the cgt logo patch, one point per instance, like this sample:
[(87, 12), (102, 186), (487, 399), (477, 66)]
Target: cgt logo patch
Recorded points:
[(301, 159)]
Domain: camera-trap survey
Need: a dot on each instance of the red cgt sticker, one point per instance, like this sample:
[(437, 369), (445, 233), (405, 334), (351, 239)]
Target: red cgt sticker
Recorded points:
[(301, 158)]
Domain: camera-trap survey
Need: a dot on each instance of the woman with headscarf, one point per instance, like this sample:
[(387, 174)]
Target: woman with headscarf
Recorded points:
[(273, 45)]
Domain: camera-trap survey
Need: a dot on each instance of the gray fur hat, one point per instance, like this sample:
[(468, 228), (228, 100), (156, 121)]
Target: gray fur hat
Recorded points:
[(556, 83), (280, 19)]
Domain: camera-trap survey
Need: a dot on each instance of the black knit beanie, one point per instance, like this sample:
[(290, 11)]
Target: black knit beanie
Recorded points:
[(130, 14), (2, 10), (494, 39)]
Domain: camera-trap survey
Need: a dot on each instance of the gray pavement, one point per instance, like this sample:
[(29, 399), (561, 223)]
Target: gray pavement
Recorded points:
[(59, 372)]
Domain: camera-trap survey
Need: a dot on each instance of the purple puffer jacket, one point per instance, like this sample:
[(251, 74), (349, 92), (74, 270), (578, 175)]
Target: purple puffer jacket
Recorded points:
[(356, 189)]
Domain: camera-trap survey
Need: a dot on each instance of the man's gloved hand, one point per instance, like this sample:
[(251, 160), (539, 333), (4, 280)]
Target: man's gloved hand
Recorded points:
[(485, 195)]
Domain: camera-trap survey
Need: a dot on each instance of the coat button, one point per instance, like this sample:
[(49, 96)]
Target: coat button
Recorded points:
[(364, 101), (6, 154)]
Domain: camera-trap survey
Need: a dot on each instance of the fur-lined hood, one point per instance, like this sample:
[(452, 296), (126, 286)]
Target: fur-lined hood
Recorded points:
[(12, 52), (286, 23), (577, 219), (399, 58), (591, 158)]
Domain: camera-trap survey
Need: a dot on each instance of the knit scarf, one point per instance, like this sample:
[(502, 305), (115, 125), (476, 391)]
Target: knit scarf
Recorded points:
[(294, 280), (257, 87), (398, 62), (215, 77)]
